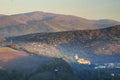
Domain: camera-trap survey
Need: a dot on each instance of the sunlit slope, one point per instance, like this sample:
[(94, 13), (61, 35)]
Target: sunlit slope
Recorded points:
[(100, 41)]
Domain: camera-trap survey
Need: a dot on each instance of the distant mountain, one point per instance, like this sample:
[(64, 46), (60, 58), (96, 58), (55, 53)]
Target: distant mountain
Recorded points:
[(39, 22), (90, 44)]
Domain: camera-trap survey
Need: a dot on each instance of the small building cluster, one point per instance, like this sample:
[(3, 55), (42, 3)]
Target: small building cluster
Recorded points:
[(82, 60)]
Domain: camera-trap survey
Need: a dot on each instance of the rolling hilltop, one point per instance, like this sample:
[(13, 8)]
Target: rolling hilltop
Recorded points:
[(108, 34), (39, 22)]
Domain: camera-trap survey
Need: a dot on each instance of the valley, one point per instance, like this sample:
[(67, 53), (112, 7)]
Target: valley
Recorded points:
[(49, 46)]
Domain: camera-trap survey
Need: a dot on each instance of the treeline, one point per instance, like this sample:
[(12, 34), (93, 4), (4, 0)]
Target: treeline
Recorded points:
[(56, 69)]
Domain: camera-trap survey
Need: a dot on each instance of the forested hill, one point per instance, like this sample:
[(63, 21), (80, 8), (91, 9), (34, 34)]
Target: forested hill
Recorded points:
[(100, 41)]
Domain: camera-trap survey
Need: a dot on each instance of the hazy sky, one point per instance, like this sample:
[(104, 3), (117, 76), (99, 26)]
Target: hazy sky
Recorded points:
[(91, 9)]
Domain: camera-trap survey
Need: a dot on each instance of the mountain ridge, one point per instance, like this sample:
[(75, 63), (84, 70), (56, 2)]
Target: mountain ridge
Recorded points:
[(41, 22)]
